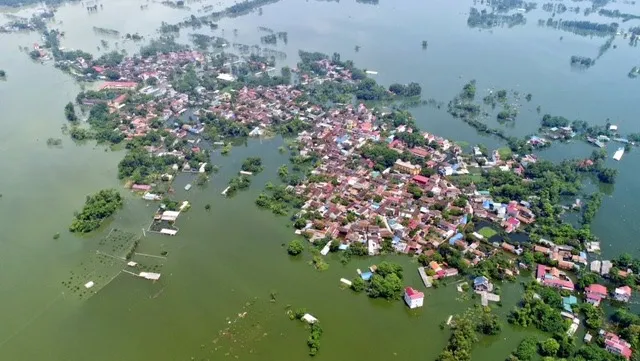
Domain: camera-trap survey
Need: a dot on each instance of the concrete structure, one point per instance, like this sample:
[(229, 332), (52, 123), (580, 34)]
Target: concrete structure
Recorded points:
[(553, 277), (413, 298), (595, 293), (309, 319), (406, 167), (150, 276), (622, 294), (170, 216), (226, 77), (614, 344), (482, 284)]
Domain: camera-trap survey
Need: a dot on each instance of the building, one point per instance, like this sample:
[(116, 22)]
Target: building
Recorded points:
[(413, 298), (568, 302), (226, 77), (616, 345), (406, 167), (595, 293), (141, 187), (309, 318), (420, 179), (124, 85), (622, 294), (606, 267), (482, 284), (553, 277), (170, 216)]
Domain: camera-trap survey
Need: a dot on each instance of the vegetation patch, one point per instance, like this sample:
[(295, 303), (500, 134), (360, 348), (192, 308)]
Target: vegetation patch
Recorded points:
[(238, 183), (253, 165), (315, 331), (295, 247), (96, 209), (279, 199), (505, 153)]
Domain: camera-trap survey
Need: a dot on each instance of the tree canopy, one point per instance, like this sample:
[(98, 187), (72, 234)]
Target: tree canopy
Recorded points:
[(96, 208)]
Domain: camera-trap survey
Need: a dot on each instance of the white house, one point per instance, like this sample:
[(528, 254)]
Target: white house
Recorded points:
[(622, 294), (413, 298)]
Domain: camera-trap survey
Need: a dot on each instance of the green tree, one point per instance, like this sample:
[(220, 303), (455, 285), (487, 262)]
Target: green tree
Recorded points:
[(594, 316), (252, 164), (608, 175), (549, 347), (70, 112), (283, 172), (295, 247), (388, 287), (358, 249), (96, 209), (358, 284), (488, 323), (386, 268), (527, 349)]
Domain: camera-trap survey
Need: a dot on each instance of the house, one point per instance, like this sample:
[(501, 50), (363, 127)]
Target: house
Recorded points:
[(622, 294), (420, 179), (226, 77), (567, 302), (595, 293), (366, 276), (406, 167), (125, 85), (614, 344), (511, 224), (170, 216), (482, 284), (413, 298), (553, 277), (141, 187), (308, 318)]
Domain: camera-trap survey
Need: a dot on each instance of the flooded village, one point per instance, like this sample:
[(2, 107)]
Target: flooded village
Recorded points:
[(376, 184)]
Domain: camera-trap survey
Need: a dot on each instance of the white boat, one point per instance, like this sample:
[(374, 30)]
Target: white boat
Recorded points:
[(187, 187), (371, 72), (618, 154)]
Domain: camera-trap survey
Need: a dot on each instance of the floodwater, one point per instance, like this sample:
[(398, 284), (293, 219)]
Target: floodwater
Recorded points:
[(229, 260)]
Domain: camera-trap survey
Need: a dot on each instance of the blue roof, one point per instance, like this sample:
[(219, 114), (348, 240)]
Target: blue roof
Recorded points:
[(366, 275), (464, 220), (343, 247), (456, 238), (343, 138), (480, 280), (455, 166), (486, 204)]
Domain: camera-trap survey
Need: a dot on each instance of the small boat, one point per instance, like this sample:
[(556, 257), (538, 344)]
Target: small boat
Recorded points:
[(187, 187), (618, 154)]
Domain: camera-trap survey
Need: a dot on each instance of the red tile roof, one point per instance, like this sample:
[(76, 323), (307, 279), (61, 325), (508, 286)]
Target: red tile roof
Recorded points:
[(413, 294)]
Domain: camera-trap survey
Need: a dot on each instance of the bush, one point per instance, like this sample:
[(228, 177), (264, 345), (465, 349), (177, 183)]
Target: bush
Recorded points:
[(295, 247), (358, 285)]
